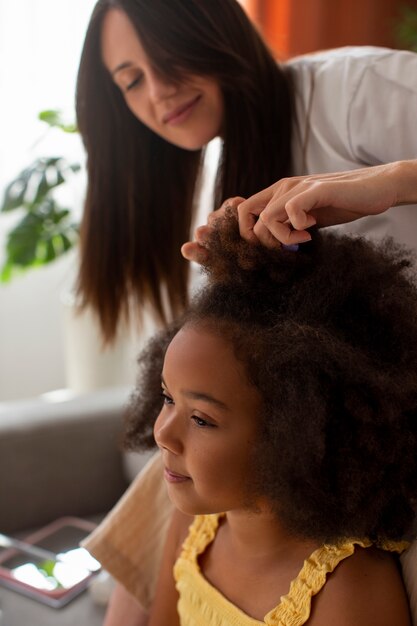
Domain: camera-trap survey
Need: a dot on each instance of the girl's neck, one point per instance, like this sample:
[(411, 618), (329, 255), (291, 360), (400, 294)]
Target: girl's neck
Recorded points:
[(253, 560), (259, 534)]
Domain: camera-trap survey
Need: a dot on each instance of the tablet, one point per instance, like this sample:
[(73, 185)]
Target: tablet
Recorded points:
[(58, 570)]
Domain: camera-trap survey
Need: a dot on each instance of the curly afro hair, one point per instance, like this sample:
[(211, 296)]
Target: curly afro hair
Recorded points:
[(328, 336)]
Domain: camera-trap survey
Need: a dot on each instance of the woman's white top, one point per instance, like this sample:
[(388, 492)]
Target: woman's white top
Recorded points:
[(355, 107)]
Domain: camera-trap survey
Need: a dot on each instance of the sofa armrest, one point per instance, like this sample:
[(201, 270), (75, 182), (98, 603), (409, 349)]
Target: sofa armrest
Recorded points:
[(60, 458)]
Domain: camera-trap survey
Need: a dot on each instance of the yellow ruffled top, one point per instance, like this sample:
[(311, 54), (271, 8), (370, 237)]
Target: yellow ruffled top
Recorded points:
[(201, 604)]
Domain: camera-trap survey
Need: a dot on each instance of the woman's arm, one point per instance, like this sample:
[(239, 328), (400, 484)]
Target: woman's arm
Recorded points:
[(287, 208), (164, 606), (282, 213)]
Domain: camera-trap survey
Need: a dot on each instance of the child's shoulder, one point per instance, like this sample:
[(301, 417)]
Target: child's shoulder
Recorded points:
[(365, 589)]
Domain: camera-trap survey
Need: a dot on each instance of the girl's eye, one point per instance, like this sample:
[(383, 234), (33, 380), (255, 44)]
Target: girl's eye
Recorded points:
[(201, 423), (167, 398), (134, 83)]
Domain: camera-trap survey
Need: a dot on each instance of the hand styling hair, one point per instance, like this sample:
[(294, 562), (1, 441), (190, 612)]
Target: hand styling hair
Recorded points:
[(328, 336)]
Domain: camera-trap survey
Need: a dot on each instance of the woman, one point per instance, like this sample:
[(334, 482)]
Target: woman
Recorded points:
[(143, 63), (134, 64), (158, 80)]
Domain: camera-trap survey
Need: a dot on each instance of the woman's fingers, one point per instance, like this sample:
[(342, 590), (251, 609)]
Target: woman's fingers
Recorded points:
[(261, 233), (265, 217), (196, 250), (248, 213), (288, 208), (192, 251), (281, 233), (283, 213)]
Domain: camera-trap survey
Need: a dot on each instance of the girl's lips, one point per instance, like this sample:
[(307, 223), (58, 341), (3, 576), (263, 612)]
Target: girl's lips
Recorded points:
[(181, 113), (172, 477)]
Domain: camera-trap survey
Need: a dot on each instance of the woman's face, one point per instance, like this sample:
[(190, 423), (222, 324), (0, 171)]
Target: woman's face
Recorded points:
[(208, 425), (188, 114)]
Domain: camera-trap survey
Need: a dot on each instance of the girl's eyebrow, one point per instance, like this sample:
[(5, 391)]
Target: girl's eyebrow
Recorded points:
[(200, 395)]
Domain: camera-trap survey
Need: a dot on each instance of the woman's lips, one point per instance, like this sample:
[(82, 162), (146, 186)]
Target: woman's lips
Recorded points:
[(181, 113), (173, 477)]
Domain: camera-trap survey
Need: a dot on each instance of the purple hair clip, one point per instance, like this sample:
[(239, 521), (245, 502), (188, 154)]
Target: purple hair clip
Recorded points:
[(293, 247)]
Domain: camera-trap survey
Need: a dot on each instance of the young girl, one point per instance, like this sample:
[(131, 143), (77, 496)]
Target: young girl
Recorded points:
[(288, 432)]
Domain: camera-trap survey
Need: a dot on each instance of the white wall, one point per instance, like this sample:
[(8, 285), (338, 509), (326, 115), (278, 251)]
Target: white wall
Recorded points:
[(40, 45), (31, 333)]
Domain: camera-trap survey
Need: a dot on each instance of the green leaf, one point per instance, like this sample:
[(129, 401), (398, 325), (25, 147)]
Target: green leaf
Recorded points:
[(53, 117), (6, 273), (46, 230), (67, 244), (42, 235), (33, 184), (16, 190), (22, 241), (50, 178), (50, 116), (43, 188), (50, 253)]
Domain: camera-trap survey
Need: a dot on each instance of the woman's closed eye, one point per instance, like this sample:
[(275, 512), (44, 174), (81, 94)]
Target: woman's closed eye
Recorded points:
[(134, 83), (128, 79)]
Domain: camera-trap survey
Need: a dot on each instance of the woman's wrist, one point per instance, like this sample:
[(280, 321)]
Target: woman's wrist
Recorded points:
[(404, 177)]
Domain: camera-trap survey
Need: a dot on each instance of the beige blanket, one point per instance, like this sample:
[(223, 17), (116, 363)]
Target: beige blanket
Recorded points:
[(130, 541)]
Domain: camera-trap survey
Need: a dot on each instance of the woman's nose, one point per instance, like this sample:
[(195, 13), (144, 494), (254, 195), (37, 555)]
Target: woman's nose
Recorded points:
[(160, 87), (167, 433)]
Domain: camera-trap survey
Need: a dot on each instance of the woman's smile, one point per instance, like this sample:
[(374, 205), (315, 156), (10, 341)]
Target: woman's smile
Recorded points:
[(181, 113)]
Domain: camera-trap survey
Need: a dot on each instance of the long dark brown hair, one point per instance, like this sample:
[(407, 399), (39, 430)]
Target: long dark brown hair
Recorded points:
[(141, 189)]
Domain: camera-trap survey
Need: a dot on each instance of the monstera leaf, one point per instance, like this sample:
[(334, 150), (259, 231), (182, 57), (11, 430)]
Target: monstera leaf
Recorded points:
[(46, 230)]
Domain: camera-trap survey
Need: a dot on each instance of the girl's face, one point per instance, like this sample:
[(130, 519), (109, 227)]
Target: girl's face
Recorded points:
[(208, 425), (188, 114)]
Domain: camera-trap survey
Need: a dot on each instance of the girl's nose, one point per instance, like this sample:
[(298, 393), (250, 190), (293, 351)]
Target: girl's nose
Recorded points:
[(160, 87), (167, 433)]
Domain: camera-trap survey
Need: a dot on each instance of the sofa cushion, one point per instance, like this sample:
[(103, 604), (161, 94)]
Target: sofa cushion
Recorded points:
[(60, 458)]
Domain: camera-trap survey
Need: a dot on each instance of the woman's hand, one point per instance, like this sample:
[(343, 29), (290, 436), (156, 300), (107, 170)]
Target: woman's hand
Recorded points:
[(283, 212), (196, 250)]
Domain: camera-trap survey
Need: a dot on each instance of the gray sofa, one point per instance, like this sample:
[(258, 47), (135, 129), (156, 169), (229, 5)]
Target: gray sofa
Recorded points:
[(58, 457)]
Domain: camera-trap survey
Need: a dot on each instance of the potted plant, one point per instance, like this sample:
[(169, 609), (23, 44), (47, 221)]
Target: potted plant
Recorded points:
[(46, 229)]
